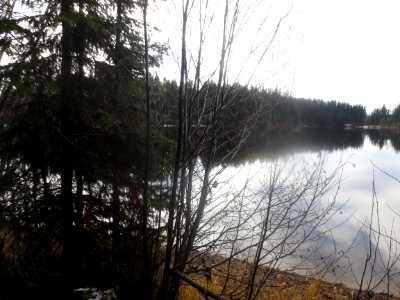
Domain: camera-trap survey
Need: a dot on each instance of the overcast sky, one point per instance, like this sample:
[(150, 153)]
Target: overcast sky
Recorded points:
[(344, 50), (350, 51)]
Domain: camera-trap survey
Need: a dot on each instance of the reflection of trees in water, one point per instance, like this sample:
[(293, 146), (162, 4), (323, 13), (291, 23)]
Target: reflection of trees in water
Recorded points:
[(307, 140), (316, 139), (313, 140), (381, 138), (395, 141)]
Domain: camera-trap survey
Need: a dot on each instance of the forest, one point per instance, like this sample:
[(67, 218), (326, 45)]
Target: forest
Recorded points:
[(383, 116), (107, 172)]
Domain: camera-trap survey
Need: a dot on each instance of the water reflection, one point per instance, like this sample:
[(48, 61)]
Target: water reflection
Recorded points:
[(316, 140), (381, 138), (371, 156)]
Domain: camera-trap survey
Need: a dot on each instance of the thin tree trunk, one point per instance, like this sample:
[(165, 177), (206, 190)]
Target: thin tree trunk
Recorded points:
[(145, 208), (194, 228), (163, 292)]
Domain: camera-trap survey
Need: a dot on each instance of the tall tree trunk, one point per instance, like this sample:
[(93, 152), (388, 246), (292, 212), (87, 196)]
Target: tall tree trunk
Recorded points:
[(79, 239), (66, 159), (116, 205), (163, 292), (145, 208)]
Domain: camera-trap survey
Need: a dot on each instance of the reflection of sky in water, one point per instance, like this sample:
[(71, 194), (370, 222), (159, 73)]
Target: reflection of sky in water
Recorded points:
[(366, 162), (360, 174), (365, 167)]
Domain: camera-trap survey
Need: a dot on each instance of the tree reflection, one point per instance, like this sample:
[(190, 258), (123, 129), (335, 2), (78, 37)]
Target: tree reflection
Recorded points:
[(314, 140), (380, 138)]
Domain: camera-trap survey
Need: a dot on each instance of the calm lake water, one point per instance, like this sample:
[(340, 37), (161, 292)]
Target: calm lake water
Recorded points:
[(370, 183)]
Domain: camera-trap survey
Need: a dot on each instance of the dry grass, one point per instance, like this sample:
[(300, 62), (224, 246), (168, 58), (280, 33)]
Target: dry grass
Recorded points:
[(279, 286), (311, 291)]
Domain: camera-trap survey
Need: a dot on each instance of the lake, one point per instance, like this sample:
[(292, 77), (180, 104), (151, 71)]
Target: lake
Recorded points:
[(353, 214)]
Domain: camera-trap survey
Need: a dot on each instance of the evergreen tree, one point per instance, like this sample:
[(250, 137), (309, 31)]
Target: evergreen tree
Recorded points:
[(72, 136)]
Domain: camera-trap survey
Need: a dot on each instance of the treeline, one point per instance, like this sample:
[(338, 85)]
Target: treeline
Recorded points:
[(382, 116), (330, 113), (275, 110), (294, 113)]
